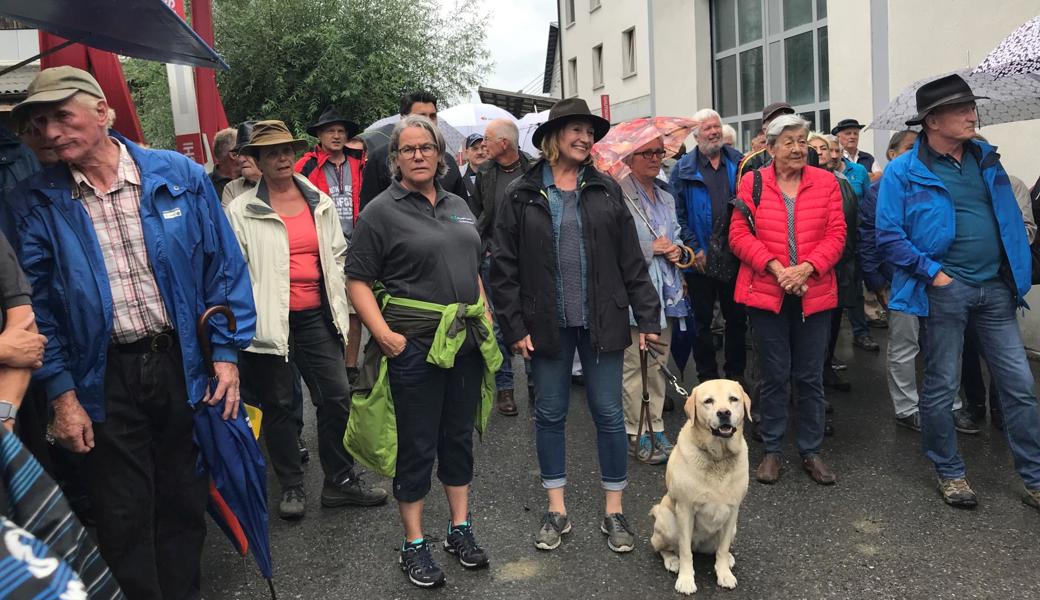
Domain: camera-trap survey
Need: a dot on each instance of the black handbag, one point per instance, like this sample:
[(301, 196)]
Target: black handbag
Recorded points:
[(722, 264)]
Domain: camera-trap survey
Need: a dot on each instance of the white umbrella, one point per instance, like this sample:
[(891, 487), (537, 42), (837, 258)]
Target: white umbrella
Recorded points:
[(527, 124), (473, 118), (378, 133), (1011, 99), (1019, 53)]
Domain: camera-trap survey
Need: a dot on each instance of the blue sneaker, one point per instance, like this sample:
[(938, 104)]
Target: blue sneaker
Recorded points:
[(645, 451), (664, 442)]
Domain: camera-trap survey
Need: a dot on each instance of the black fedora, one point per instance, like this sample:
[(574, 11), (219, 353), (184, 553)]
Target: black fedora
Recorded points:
[(329, 116), (846, 124), (568, 110), (944, 91), (242, 134)]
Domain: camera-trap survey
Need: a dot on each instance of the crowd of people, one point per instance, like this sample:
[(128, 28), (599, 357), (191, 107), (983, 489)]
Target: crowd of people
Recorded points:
[(455, 276)]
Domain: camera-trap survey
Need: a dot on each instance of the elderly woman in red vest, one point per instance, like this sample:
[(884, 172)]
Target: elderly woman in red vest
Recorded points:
[(789, 233)]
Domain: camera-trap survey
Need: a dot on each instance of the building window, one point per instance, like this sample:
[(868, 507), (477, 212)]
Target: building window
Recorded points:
[(765, 51), (572, 76), (597, 67), (568, 12), (628, 52), (593, 5)]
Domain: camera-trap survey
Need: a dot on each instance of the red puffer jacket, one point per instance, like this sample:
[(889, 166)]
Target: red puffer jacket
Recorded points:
[(819, 236)]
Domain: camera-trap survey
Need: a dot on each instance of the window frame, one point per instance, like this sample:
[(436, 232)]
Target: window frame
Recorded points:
[(568, 12), (628, 53), (597, 67), (572, 76)]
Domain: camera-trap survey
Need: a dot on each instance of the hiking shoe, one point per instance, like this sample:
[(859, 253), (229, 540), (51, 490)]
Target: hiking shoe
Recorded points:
[(963, 422), (353, 490), (838, 365), (866, 343), (619, 536), (463, 544), (554, 525), (664, 442), (418, 564), (1032, 498), (912, 421), (305, 454), (505, 403), (957, 493), (645, 451), (293, 504), (835, 380)]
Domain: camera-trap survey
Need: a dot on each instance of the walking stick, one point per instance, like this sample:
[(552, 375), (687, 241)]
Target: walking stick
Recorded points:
[(641, 455)]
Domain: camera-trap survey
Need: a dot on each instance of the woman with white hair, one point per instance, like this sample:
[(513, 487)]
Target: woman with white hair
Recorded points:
[(789, 233), (418, 246)]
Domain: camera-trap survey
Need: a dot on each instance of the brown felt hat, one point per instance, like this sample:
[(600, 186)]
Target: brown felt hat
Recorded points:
[(272, 133)]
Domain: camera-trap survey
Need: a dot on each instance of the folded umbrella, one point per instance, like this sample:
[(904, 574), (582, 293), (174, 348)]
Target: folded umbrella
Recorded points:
[(1012, 98), (230, 455), (625, 138)]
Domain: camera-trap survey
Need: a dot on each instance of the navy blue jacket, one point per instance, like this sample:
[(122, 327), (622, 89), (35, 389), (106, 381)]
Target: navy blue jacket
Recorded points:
[(192, 251), (692, 203), (877, 273)]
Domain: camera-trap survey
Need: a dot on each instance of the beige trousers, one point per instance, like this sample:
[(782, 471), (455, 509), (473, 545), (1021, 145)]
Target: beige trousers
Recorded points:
[(632, 382)]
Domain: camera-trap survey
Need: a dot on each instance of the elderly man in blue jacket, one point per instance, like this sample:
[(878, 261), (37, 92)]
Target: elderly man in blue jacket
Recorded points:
[(948, 221), (703, 182), (124, 248)]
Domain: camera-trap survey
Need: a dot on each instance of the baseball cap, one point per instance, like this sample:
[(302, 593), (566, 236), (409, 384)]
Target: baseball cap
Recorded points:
[(472, 139), (58, 84)]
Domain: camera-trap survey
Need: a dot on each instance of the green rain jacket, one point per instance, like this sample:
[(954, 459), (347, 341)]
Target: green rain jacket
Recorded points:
[(371, 435)]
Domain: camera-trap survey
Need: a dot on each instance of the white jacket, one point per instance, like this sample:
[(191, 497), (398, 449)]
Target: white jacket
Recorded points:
[(264, 241)]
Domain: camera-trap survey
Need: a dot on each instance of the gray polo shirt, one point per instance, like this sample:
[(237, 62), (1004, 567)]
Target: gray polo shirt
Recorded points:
[(14, 289), (417, 250)]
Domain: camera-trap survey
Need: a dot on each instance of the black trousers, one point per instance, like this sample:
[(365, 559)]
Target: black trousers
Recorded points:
[(317, 351), (148, 502), (435, 410), (703, 292)]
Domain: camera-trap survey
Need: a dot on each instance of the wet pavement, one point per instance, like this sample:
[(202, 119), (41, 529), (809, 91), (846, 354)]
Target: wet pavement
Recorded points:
[(881, 532)]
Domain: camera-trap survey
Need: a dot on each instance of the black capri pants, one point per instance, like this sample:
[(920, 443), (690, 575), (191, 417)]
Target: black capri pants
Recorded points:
[(435, 409)]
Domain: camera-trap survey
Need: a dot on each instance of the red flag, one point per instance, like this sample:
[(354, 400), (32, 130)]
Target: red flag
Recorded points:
[(211, 110)]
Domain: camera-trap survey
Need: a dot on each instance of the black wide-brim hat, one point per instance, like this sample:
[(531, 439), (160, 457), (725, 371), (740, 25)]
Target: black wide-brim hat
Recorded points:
[(846, 124), (944, 91), (329, 116), (566, 111)]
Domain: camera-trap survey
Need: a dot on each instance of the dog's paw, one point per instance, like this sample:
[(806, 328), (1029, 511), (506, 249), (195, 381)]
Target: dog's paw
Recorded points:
[(732, 561), (726, 579), (671, 563), (685, 585)]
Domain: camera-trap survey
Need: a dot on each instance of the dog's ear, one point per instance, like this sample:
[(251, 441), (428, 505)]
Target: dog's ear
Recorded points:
[(747, 405), (691, 403)]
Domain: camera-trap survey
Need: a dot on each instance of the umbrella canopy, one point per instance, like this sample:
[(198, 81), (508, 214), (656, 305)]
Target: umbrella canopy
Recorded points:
[(1018, 54), (147, 29), (1012, 98), (377, 135), (472, 118), (625, 138), (527, 124)]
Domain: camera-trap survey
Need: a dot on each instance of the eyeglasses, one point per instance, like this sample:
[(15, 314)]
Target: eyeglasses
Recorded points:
[(651, 154), (426, 150)]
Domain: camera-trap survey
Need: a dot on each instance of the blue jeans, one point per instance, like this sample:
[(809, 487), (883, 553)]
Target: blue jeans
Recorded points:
[(504, 376), (790, 347), (991, 308), (552, 382)]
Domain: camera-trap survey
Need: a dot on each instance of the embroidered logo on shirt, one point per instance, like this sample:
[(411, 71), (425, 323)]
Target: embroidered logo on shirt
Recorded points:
[(466, 220), (171, 214)]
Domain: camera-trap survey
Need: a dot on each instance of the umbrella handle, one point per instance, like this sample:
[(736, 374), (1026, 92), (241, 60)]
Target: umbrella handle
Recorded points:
[(202, 333)]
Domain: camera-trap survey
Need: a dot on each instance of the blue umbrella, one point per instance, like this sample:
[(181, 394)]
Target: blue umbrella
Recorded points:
[(238, 474), (147, 29)]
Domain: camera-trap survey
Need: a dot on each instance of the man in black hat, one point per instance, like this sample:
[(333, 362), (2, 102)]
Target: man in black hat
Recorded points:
[(332, 167), (948, 221), (847, 132), (757, 160)]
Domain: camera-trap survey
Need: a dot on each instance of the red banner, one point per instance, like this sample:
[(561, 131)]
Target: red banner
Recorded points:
[(604, 106)]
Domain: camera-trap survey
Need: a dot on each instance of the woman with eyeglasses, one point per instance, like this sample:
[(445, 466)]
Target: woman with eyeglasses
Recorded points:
[(653, 210), (566, 266), (413, 277)]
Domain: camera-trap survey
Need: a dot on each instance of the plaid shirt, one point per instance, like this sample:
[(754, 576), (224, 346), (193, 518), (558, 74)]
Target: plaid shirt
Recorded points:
[(137, 306)]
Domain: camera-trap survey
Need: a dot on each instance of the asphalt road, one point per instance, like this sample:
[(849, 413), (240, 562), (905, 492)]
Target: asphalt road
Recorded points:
[(881, 532)]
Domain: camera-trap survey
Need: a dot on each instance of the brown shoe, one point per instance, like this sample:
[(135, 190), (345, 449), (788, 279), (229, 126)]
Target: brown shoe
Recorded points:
[(1032, 498), (505, 403), (819, 471), (768, 470)]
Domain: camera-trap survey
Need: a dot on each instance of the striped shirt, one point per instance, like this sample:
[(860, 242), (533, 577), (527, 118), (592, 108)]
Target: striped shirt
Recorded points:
[(138, 310)]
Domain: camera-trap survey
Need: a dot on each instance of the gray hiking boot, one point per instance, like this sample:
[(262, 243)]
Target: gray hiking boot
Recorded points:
[(554, 525), (619, 535)]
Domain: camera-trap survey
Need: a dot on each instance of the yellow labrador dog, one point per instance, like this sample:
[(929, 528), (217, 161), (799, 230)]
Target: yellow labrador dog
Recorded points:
[(707, 479)]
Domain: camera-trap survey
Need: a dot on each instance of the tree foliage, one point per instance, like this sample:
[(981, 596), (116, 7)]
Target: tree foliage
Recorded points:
[(291, 58), (151, 94)]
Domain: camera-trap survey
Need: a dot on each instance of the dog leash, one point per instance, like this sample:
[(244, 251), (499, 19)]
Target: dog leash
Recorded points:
[(641, 455)]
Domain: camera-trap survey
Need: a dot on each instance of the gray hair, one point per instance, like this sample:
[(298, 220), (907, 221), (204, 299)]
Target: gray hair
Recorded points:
[(702, 114), (505, 129), (421, 123), (223, 142), (781, 124), (728, 131)]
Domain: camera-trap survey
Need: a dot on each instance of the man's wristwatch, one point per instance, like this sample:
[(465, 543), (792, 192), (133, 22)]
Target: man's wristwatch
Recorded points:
[(7, 411)]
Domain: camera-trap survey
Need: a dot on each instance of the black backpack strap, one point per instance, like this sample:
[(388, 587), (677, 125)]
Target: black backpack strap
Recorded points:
[(756, 189), (309, 166)]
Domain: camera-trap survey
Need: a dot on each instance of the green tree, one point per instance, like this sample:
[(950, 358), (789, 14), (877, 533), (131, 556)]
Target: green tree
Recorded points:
[(290, 58), (151, 94)]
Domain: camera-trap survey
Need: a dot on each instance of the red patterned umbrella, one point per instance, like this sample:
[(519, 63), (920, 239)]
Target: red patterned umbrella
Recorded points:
[(625, 138)]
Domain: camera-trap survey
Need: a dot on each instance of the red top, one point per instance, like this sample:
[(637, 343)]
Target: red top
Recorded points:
[(819, 237), (304, 262)]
